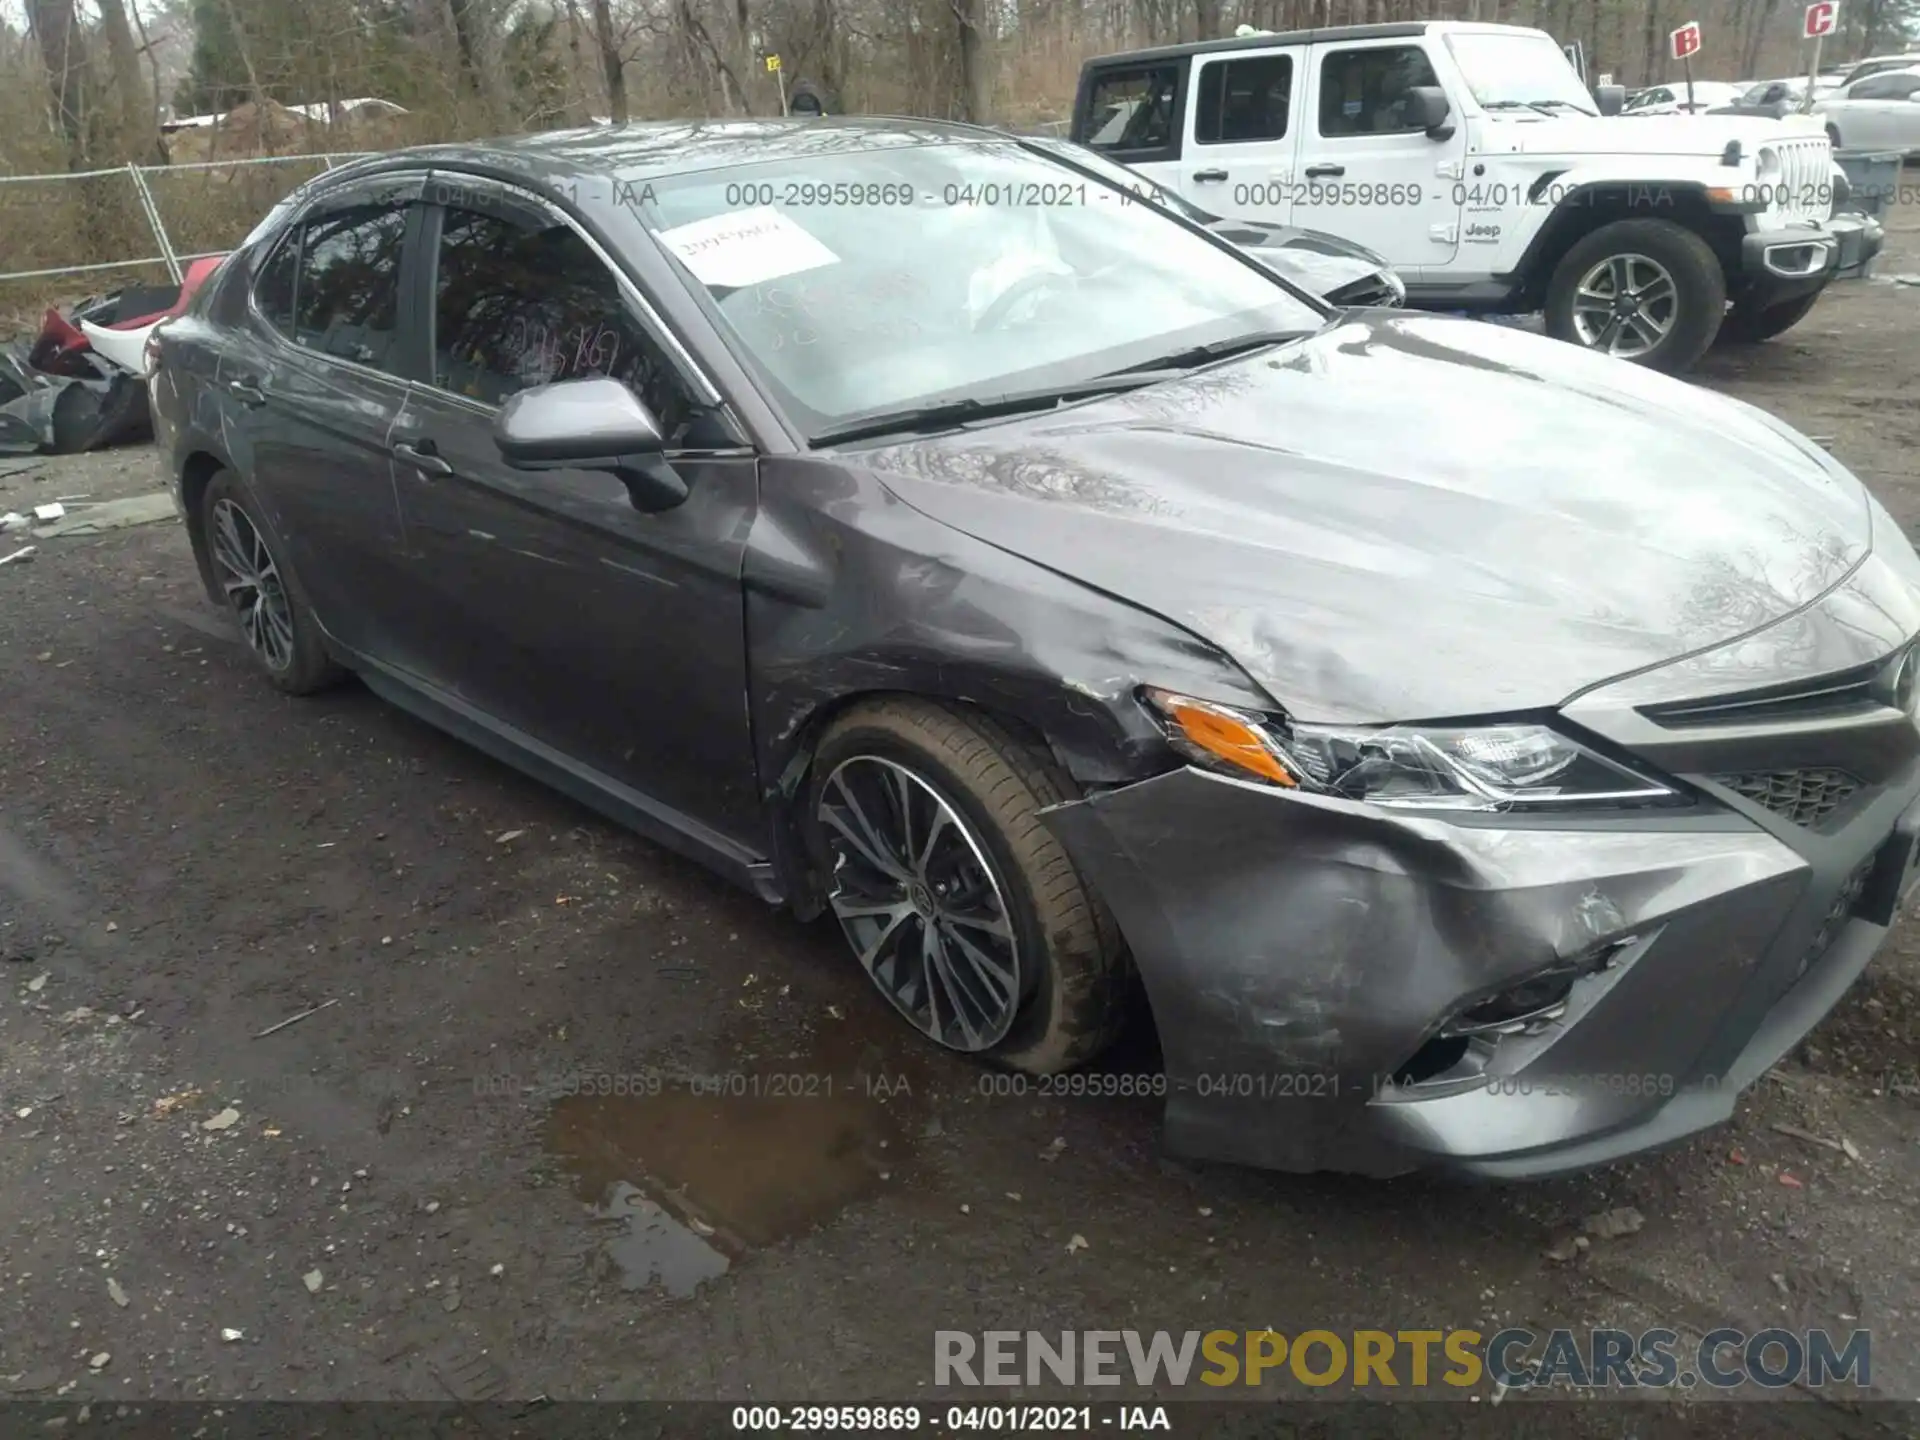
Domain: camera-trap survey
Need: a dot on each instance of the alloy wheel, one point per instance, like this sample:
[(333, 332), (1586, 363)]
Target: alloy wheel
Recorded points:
[(920, 904), (252, 584), (1625, 306)]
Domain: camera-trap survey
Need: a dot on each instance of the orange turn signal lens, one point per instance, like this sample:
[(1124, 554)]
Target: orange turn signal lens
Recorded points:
[(1221, 733)]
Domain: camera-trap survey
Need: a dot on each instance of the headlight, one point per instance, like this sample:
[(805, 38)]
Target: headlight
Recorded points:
[(1482, 767), (1397, 286)]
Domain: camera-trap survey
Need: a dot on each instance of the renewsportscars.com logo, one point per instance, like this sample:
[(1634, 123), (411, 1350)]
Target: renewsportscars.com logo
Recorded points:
[(1463, 1359)]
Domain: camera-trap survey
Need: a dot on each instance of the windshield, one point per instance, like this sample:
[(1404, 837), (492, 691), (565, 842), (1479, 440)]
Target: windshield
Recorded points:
[(882, 279), (1519, 70)]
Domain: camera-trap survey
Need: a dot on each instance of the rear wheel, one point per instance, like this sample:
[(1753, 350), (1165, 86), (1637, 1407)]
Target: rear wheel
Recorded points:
[(1649, 291), (1747, 326), (253, 576), (961, 906)]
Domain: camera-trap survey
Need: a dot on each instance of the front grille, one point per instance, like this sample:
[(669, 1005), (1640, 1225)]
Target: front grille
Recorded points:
[(1804, 177), (1806, 797), (1849, 692), (1369, 292), (1837, 916)]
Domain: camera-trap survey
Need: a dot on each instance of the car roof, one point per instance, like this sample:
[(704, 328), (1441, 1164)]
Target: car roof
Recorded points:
[(635, 153), (1911, 69), (1326, 35)]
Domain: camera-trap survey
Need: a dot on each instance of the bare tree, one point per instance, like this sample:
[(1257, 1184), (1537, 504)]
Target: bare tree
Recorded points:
[(139, 121), (613, 64), (976, 85), (64, 57)]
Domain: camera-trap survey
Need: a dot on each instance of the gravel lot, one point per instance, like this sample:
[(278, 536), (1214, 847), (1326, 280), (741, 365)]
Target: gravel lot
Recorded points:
[(379, 1201)]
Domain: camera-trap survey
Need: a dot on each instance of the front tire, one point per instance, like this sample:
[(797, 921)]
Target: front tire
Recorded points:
[(252, 572), (1648, 291), (1747, 326), (964, 910)]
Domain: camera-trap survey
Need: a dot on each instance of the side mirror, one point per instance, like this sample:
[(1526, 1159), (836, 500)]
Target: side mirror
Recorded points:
[(1611, 99), (1428, 108), (591, 424)]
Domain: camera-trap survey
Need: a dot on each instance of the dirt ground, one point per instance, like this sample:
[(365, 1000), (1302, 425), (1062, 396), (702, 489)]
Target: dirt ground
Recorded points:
[(389, 1199)]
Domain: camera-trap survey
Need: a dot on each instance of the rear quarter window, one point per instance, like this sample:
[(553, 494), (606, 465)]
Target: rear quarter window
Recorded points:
[(1132, 111)]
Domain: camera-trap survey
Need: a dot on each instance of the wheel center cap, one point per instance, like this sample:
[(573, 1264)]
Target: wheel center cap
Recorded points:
[(921, 898)]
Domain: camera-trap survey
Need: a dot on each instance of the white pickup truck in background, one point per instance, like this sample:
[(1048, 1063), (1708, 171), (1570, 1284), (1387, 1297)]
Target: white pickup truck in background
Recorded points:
[(1476, 161)]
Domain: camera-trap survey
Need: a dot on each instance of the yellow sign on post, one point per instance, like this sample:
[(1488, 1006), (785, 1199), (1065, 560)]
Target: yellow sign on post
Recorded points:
[(773, 63)]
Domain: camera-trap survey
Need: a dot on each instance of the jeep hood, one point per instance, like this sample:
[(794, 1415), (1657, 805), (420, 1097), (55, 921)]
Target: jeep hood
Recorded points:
[(1705, 135), (1409, 517)]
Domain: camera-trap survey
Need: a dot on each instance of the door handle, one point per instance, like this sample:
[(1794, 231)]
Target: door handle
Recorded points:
[(1315, 172), (246, 392), (422, 457), (1207, 176)]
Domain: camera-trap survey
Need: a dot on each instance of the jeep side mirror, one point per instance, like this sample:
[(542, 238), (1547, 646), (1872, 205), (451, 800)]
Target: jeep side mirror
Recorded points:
[(1611, 99), (1428, 108)]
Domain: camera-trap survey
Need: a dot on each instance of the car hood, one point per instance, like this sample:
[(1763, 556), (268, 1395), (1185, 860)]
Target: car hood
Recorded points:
[(1410, 517), (1639, 134)]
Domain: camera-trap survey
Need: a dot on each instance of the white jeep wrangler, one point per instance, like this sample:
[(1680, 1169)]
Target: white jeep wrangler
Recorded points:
[(1476, 161)]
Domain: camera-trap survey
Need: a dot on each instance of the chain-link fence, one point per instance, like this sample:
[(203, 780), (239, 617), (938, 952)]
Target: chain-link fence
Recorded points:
[(184, 211)]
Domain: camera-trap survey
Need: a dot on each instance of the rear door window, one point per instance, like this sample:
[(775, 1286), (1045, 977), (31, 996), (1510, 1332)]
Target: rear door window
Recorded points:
[(347, 294), (1243, 100), (1885, 87), (273, 287)]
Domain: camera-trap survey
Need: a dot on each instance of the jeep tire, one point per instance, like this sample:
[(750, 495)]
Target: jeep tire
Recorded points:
[(1748, 325), (1674, 294)]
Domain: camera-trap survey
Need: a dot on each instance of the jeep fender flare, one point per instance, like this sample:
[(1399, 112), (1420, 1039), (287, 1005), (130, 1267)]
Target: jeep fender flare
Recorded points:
[(1584, 206)]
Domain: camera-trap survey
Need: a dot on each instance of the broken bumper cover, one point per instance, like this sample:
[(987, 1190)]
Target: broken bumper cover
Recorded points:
[(1300, 952)]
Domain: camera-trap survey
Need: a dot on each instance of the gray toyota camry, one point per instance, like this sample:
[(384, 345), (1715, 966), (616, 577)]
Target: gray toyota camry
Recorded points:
[(1478, 753)]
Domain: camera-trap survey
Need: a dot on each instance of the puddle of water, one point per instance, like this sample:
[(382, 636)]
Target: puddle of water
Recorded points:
[(655, 1246), (714, 1165)]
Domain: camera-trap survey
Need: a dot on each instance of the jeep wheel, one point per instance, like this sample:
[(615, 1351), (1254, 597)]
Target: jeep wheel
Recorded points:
[(1747, 326), (1649, 291)]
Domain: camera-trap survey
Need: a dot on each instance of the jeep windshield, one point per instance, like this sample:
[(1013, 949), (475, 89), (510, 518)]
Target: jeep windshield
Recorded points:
[(1512, 72), (884, 280)]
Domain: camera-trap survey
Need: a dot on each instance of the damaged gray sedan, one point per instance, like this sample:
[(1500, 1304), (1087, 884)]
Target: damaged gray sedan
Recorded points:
[(1480, 753)]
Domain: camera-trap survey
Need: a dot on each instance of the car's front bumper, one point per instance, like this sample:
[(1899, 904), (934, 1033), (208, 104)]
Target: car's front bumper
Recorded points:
[(1299, 951), (1861, 238), (1781, 265)]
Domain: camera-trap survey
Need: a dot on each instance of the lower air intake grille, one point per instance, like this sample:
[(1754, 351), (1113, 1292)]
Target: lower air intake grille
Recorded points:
[(1838, 914), (1806, 797)]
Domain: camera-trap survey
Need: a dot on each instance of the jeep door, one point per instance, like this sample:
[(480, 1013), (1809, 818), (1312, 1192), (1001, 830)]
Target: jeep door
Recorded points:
[(1242, 128), (1365, 173)]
